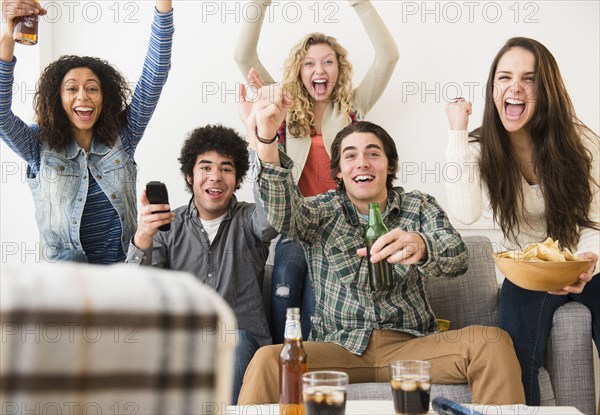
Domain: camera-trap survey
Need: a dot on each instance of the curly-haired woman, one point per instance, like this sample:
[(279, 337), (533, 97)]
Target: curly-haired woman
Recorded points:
[(80, 154), (539, 166), (318, 76)]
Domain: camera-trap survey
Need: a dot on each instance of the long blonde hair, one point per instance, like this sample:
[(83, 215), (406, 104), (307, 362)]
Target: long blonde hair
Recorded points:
[(301, 114)]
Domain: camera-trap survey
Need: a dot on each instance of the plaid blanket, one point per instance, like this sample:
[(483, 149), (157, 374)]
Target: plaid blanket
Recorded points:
[(117, 339)]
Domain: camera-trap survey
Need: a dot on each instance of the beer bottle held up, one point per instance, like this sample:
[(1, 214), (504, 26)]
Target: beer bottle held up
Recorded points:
[(292, 365), (26, 29), (380, 273)]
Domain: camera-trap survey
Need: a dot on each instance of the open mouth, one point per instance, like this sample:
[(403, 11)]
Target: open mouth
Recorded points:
[(214, 192), (364, 178), (514, 108), (84, 113), (320, 86)]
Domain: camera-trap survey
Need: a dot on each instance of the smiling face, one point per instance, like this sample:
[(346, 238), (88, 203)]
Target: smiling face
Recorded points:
[(364, 170), (515, 93), (319, 72), (81, 97), (213, 184)]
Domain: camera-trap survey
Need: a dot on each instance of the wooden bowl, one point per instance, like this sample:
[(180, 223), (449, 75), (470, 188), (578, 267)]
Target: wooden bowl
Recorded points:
[(541, 275)]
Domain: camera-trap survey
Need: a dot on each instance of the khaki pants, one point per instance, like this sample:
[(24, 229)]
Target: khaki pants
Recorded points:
[(481, 356)]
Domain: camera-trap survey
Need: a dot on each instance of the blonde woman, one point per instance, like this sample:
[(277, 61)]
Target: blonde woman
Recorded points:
[(318, 77)]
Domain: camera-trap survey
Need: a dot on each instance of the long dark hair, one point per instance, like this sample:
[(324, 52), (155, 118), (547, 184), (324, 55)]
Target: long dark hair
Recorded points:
[(561, 161), (55, 127)]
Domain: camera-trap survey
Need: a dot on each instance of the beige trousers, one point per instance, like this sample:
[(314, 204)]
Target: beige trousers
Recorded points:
[(481, 356)]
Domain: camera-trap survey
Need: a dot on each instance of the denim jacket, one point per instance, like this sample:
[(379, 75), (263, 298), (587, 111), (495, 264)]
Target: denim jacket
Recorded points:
[(60, 188)]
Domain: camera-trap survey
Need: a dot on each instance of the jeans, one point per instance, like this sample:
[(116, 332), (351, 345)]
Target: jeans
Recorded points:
[(244, 351), (290, 287), (527, 317)]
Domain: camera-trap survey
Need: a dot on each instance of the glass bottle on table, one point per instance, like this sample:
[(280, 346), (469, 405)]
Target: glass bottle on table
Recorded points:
[(292, 365), (380, 273), (26, 29)]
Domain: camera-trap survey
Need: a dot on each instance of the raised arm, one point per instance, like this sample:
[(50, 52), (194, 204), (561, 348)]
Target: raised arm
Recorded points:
[(465, 195), (164, 6), (285, 208), (10, 10), (380, 72), (246, 53), (154, 76), (270, 111), (21, 138)]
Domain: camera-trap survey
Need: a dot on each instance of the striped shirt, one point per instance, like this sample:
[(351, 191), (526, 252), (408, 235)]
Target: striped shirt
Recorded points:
[(331, 231), (100, 231)]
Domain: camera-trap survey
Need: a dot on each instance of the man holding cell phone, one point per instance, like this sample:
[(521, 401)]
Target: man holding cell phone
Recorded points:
[(222, 241)]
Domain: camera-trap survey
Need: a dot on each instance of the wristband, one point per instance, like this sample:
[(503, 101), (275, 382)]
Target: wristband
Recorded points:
[(264, 140)]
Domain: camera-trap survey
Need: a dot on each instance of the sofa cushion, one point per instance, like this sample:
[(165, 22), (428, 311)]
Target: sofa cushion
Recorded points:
[(471, 298)]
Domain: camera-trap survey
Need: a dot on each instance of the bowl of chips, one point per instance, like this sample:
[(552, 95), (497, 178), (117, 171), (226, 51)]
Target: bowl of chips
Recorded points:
[(541, 266)]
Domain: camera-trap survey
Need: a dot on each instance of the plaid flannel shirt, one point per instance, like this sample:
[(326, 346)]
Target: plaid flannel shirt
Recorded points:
[(331, 231)]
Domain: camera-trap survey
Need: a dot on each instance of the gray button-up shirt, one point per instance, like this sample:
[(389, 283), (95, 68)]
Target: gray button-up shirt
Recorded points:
[(233, 264)]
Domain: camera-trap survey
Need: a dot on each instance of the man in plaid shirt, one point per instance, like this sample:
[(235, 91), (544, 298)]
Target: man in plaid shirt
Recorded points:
[(356, 330)]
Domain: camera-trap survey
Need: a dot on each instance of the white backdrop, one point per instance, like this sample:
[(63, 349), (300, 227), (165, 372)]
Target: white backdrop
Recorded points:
[(445, 50)]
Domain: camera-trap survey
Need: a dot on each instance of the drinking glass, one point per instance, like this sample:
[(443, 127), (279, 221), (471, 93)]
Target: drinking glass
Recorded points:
[(324, 392), (411, 382)]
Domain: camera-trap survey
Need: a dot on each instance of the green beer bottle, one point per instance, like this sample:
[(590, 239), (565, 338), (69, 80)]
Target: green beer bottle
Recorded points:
[(380, 273)]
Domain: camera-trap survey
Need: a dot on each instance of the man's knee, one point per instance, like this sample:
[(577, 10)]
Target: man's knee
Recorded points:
[(266, 356), (491, 340)]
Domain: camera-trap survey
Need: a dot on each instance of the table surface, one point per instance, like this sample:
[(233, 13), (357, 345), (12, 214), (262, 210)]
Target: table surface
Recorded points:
[(387, 408)]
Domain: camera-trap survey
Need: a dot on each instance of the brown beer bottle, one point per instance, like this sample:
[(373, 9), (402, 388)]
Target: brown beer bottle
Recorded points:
[(380, 273), (292, 365), (26, 29)]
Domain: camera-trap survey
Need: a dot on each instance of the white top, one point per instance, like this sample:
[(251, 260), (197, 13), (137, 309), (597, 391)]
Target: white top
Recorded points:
[(212, 227), (466, 194)]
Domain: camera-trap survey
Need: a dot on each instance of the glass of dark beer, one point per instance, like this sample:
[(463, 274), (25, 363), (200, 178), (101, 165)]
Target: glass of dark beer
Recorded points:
[(324, 392), (411, 382)]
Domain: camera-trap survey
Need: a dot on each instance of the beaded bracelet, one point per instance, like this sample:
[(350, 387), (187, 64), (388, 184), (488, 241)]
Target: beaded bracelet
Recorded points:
[(263, 140)]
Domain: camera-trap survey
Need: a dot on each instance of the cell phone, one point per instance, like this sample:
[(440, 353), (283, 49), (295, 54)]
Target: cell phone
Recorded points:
[(157, 194)]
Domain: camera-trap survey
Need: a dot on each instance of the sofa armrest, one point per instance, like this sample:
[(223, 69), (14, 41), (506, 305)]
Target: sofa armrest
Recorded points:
[(569, 357)]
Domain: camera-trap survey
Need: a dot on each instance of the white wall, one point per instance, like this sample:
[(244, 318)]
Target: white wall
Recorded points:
[(445, 50)]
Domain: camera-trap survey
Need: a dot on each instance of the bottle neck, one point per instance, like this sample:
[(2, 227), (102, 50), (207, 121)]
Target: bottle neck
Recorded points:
[(293, 330), (374, 215)]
